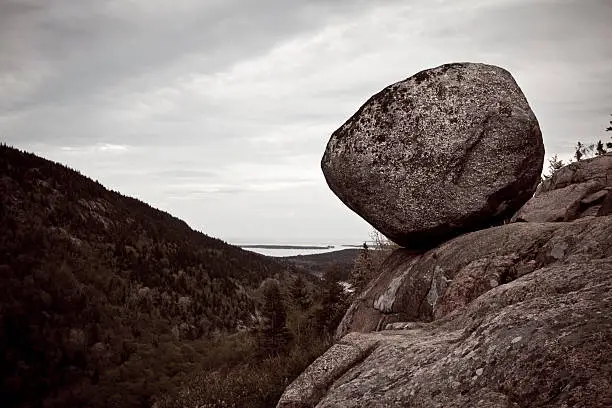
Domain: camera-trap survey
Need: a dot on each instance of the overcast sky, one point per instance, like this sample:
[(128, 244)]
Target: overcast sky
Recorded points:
[(219, 111)]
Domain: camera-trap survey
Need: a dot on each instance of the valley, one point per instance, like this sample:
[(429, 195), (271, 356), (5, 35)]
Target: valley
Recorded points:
[(104, 298)]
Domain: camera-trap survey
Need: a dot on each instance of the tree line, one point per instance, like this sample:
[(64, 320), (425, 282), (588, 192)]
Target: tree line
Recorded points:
[(582, 151)]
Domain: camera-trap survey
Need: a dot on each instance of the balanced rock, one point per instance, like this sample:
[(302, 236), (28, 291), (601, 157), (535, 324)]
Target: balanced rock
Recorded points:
[(449, 150)]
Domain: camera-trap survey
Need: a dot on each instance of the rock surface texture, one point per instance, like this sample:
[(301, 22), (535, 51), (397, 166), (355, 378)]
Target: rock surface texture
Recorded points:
[(514, 316), (518, 315), (577, 190), (449, 150)]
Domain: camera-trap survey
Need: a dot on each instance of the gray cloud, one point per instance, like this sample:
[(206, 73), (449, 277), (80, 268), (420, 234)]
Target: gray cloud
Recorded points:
[(186, 173), (219, 111), (95, 45)]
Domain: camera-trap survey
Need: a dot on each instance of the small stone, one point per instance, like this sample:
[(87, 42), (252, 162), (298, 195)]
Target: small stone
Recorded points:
[(516, 339), (479, 371), (558, 250)]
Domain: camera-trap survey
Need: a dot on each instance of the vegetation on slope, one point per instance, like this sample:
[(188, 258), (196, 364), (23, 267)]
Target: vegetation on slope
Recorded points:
[(105, 301), (318, 264)]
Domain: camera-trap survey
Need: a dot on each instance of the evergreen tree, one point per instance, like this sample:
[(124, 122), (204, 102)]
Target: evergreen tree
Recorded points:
[(554, 164), (600, 150), (363, 270), (609, 129), (579, 152), (332, 305), (299, 294), (582, 150), (274, 336), (370, 259)]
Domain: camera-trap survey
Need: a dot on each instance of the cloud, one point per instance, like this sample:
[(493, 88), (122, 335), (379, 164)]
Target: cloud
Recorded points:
[(199, 191), (97, 148), (186, 174), (100, 47), (219, 111)]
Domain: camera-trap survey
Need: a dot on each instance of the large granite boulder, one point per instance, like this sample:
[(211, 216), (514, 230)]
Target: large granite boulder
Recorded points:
[(515, 316), (577, 190), (449, 150)]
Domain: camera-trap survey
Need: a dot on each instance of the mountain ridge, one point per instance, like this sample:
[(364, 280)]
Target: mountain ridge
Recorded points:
[(105, 297)]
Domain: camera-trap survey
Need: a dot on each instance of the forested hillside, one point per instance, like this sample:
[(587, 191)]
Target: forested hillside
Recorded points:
[(316, 264), (106, 301)]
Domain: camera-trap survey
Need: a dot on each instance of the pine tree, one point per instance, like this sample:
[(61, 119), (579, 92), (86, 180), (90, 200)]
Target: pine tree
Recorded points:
[(370, 259), (600, 149), (578, 155), (333, 304), (299, 294), (363, 270), (554, 164), (274, 336), (609, 129), (582, 151)]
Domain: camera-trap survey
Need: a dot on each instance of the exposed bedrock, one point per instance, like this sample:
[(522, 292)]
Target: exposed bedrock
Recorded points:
[(577, 190), (514, 316)]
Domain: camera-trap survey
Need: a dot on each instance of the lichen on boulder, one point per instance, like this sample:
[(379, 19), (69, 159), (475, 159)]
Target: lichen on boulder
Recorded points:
[(449, 150)]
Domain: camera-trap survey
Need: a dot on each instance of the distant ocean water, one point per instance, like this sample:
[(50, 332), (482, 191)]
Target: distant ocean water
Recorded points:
[(295, 250)]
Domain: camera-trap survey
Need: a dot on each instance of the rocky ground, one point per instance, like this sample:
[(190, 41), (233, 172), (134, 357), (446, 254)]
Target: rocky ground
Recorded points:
[(529, 325)]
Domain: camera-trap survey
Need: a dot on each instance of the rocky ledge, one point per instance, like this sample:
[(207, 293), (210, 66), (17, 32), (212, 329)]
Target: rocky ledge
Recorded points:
[(577, 190), (514, 316)]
